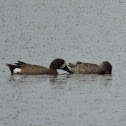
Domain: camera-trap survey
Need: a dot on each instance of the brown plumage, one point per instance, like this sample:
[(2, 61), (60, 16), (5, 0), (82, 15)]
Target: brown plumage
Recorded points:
[(89, 68), (29, 69)]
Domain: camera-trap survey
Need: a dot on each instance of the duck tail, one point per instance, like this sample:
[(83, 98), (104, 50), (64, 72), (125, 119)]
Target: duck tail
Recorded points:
[(11, 67), (20, 62)]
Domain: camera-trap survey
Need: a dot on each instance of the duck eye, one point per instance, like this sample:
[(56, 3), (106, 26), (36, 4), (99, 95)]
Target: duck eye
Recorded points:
[(107, 66)]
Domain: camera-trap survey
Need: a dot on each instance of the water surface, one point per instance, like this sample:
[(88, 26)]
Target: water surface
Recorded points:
[(37, 32)]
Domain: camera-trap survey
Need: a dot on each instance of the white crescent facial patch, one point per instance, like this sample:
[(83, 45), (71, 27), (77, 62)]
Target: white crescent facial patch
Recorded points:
[(63, 65)]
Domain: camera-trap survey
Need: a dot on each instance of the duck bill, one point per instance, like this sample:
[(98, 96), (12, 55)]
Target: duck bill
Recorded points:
[(68, 70)]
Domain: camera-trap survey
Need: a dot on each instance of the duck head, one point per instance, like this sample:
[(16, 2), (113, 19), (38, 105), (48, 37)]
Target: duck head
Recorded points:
[(60, 64), (106, 67)]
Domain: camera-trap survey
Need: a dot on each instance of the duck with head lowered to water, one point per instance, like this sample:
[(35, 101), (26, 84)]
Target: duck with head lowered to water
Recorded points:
[(30, 69), (88, 68)]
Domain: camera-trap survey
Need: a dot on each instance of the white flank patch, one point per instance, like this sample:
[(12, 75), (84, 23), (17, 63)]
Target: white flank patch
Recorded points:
[(63, 65), (17, 70)]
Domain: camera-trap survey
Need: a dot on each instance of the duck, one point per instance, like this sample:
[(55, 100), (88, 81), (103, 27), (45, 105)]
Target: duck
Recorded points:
[(23, 68), (89, 68)]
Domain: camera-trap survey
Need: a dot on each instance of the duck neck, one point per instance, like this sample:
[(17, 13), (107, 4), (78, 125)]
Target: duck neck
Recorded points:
[(52, 68), (53, 72)]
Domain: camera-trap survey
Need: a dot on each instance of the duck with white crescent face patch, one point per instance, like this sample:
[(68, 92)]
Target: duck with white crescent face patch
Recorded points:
[(29, 69)]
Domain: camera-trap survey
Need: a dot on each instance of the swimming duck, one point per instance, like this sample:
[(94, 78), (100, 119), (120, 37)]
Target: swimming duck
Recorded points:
[(29, 69), (88, 68)]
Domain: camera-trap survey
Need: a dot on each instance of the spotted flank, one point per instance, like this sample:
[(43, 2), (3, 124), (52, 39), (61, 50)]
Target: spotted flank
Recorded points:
[(88, 68)]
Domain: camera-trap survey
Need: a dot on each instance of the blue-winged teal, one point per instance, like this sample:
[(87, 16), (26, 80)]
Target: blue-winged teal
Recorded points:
[(87, 68), (29, 69)]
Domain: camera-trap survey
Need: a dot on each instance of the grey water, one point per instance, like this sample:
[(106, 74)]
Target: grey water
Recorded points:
[(37, 32)]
